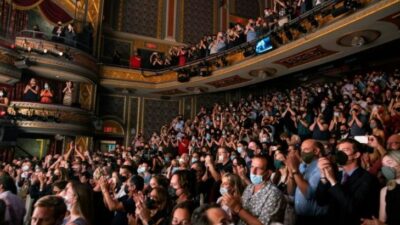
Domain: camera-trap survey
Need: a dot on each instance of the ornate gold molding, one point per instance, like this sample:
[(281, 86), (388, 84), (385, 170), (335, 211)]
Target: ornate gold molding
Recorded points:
[(64, 114)]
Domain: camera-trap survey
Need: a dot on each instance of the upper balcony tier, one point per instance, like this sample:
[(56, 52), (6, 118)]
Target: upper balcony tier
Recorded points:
[(56, 57), (329, 32)]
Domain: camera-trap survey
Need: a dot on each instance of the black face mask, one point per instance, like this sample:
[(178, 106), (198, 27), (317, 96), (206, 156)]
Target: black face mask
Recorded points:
[(250, 153), (151, 204), (343, 131), (126, 189), (172, 192), (123, 178), (341, 158)]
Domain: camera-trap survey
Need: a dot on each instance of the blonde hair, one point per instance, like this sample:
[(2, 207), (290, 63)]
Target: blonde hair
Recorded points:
[(235, 182)]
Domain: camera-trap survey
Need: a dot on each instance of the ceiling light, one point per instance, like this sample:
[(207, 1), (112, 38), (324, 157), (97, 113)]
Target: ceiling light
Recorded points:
[(357, 41)]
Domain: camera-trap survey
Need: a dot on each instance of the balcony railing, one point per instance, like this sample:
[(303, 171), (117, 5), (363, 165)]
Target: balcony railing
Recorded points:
[(72, 42), (328, 8)]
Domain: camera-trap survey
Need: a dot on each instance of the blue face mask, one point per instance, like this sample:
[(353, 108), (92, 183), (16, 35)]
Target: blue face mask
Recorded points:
[(194, 160), (223, 191), (240, 149), (256, 179), (175, 169)]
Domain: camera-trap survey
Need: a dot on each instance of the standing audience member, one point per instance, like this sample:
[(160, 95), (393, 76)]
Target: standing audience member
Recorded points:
[(31, 91), (262, 202), (351, 194), (390, 194), (49, 210), (46, 94), (15, 210)]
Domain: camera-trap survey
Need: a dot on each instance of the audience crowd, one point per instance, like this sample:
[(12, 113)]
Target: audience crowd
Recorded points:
[(277, 16), (323, 153)]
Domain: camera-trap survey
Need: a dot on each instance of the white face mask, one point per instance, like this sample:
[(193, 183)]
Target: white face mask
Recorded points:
[(46, 86), (67, 202), (25, 168), (1, 93), (221, 158)]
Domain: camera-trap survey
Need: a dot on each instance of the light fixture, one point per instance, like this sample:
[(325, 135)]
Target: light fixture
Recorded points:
[(357, 41)]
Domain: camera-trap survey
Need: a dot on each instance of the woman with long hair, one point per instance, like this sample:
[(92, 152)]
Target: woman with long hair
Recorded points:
[(78, 199), (233, 185)]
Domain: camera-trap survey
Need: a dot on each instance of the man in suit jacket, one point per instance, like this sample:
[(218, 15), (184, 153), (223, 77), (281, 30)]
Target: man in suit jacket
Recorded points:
[(351, 194)]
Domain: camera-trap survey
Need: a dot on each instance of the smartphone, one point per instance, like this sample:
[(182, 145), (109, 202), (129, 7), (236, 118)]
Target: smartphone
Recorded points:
[(362, 139)]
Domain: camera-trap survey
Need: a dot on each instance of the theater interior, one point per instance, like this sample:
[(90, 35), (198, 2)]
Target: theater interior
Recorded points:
[(104, 73)]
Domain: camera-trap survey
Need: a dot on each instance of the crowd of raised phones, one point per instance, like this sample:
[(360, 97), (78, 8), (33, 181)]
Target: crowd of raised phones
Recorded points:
[(324, 153)]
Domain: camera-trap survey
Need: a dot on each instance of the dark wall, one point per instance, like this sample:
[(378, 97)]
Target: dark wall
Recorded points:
[(157, 113), (198, 19), (247, 8), (140, 17)]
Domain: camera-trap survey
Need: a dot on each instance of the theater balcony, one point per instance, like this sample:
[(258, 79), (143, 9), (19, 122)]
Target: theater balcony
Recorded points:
[(327, 33), (56, 57), (49, 119), (9, 73)]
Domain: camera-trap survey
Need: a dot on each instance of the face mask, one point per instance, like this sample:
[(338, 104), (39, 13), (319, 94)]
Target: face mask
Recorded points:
[(307, 157), (341, 158), (278, 164), (388, 172), (123, 178), (166, 159), (181, 160), (373, 126), (46, 86), (240, 149), (335, 114), (343, 131), (256, 179), (233, 157), (194, 160), (67, 203), (25, 168), (223, 191), (126, 189), (221, 158), (1, 94), (172, 192), (150, 203), (323, 105), (174, 169), (141, 170), (250, 153)]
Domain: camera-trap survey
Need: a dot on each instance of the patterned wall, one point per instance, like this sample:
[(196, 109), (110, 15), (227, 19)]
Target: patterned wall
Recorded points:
[(198, 20), (110, 45), (110, 105), (208, 100), (187, 110), (247, 8), (158, 113), (140, 17), (133, 114)]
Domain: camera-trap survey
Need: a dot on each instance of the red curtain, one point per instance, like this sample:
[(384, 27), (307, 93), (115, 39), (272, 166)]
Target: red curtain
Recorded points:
[(26, 4), (53, 12), (50, 10)]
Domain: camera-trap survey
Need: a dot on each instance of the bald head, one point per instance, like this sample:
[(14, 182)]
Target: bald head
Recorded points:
[(393, 142)]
